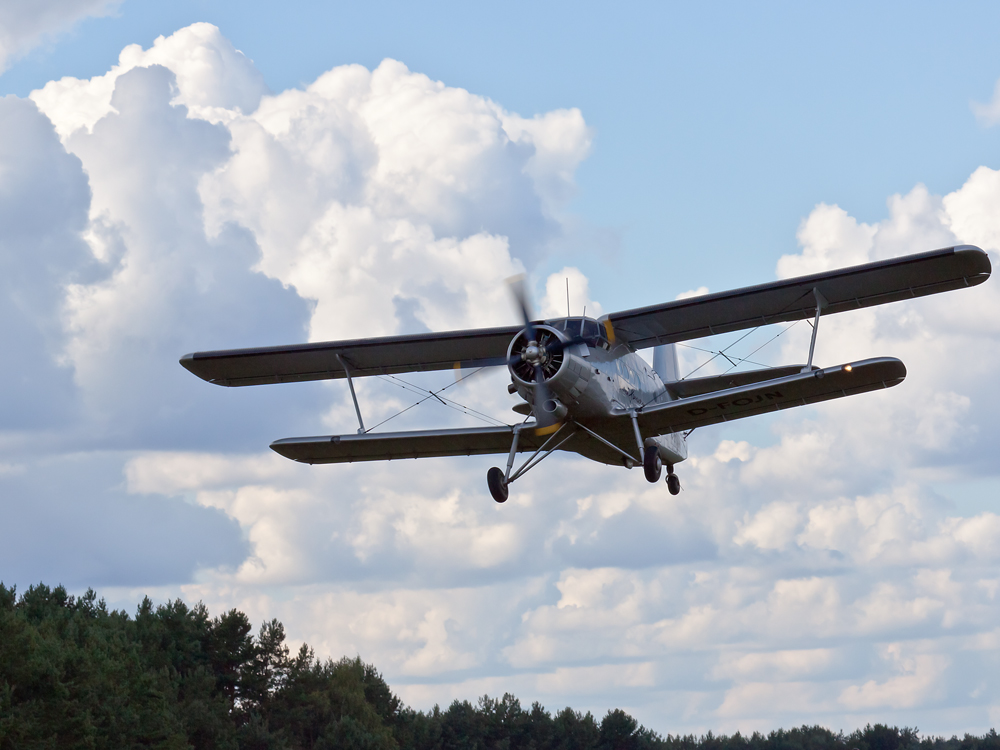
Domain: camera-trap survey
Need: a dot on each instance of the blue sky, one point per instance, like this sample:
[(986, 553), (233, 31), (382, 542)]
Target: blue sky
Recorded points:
[(252, 174)]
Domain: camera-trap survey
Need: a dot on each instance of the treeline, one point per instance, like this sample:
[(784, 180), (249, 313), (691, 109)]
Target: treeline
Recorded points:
[(75, 674)]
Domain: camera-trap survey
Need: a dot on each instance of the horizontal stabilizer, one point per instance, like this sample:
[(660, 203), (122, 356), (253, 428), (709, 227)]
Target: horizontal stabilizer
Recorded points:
[(387, 446), (772, 395)]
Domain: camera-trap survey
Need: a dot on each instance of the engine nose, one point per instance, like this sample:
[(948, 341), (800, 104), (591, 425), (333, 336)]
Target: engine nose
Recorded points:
[(524, 355), (532, 354)]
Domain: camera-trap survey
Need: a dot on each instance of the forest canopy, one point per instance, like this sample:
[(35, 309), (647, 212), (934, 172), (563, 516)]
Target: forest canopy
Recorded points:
[(75, 674)]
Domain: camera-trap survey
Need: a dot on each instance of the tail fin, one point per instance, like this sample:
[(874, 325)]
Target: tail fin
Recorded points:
[(665, 363)]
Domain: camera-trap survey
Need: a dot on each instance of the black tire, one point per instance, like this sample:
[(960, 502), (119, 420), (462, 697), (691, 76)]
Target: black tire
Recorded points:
[(673, 484), (651, 464), (498, 487)]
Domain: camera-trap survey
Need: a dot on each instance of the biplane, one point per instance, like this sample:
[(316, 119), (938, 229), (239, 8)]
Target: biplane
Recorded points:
[(584, 387)]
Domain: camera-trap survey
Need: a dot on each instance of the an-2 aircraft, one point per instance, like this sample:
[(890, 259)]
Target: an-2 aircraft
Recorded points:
[(584, 387)]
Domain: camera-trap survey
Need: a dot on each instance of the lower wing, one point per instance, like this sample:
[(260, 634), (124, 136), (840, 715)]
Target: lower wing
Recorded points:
[(780, 393), (386, 446), (684, 414)]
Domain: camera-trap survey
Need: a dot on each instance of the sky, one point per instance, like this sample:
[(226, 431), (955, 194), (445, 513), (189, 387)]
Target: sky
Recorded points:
[(199, 175)]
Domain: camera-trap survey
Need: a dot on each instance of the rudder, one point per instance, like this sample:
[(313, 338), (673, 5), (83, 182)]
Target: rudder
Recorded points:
[(665, 363)]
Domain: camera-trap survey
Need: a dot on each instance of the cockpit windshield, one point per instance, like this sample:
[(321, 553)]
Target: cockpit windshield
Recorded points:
[(590, 330)]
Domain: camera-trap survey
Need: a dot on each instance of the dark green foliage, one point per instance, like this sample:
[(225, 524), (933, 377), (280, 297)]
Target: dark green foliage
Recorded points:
[(74, 674)]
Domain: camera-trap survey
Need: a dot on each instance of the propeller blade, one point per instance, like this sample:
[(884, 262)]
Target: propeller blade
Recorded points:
[(544, 420), (520, 294), (556, 346)]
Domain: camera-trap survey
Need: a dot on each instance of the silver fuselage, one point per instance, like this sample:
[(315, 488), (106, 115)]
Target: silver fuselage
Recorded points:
[(598, 381)]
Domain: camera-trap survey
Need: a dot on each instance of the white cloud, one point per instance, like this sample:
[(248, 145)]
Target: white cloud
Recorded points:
[(212, 80), (693, 293), (920, 680), (830, 239), (43, 209), (772, 527), (554, 302), (25, 25), (768, 698), (642, 675), (780, 665)]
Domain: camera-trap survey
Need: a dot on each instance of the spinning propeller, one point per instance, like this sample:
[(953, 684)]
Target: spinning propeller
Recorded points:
[(538, 352)]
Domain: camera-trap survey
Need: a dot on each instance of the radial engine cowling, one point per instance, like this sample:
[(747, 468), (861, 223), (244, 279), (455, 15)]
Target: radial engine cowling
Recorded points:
[(522, 356)]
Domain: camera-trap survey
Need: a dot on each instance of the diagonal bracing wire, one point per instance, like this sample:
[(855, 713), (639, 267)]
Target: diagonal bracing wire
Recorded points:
[(783, 330), (444, 399), (734, 361), (428, 395), (721, 353), (738, 360)]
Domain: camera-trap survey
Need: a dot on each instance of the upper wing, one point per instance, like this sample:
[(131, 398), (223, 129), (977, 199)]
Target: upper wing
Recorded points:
[(793, 299), (386, 446), (780, 393), (377, 356)]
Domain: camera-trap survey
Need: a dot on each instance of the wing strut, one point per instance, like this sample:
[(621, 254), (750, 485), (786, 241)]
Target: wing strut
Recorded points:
[(629, 460), (820, 304), (350, 384)]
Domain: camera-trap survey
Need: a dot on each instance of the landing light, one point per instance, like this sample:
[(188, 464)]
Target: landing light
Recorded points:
[(847, 368)]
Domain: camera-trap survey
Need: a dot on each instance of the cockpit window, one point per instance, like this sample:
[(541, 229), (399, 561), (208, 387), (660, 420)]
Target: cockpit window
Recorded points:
[(590, 330)]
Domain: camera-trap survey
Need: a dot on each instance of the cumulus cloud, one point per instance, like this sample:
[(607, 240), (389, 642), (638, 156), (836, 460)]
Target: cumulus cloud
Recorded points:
[(211, 77), (44, 198), (191, 209), (921, 676), (23, 26), (568, 287), (811, 570)]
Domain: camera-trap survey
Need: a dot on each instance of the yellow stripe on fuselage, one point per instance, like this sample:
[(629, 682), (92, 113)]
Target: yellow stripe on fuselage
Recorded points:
[(542, 431), (610, 330)]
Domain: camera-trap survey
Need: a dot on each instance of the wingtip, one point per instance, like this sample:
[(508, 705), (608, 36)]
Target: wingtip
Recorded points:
[(190, 363), (979, 258), (891, 369), (280, 447)]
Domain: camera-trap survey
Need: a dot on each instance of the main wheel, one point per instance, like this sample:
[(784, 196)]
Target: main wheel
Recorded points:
[(673, 484), (651, 464), (497, 485)]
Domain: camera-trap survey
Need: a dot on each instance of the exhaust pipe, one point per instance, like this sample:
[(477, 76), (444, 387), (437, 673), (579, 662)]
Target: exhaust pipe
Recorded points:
[(554, 409)]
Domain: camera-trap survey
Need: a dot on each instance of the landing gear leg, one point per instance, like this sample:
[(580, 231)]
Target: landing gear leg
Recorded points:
[(651, 464), (673, 481), (498, 481), (497, 484)]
